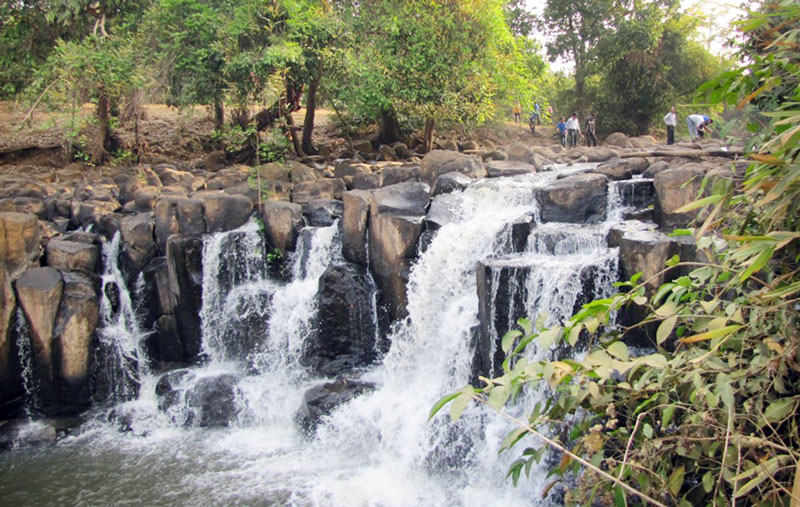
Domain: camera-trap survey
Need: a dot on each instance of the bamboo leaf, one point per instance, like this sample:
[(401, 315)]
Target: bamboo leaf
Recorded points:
[(710, 335), (700, 203)]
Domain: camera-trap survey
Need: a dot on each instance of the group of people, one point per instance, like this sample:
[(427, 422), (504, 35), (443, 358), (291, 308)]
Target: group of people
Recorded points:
[(698, 125), (570, 130)]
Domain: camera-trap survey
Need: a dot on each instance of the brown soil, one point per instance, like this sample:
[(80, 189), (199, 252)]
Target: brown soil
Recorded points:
[(36, 144)]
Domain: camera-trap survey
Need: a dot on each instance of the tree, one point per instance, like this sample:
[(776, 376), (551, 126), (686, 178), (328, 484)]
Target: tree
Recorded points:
[(648, 62), (430, 60), (576, 27)]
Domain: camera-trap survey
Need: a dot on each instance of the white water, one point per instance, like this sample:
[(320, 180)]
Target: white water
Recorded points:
[(379, 450)]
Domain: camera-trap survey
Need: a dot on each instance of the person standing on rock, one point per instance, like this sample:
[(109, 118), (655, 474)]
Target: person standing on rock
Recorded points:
[(538, 116), (562, 131), (573, 130), (591, 130), (671, 120), (693, 121), (517, 112)]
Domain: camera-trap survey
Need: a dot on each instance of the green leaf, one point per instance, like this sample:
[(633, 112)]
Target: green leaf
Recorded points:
[(547, 337), (574, 334), (675, 481), (712, 199), (525, 324), (673, 261), (508, 339), (619, 350), (758, 263), (512, 438), (444, 400), (666, 416), (459, 404), (708, 482), (647, 430), (498, 396), (653, 361), (665, 328), (667, 309), (778, 410)]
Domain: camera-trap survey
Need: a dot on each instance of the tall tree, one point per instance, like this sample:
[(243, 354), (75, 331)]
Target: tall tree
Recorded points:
[(576, 27)]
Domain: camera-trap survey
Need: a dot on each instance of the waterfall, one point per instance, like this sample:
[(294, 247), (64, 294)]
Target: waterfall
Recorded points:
[(122, 359), (379, 449), (25, 354)]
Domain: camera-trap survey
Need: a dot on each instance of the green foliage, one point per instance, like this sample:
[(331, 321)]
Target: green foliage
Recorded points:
[(439, 60), (708, 415)]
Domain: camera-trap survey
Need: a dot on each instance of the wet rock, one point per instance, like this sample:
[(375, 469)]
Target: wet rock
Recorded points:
[(576, 199), (10, 380), (22, 433), (138, 243), (224, 212), (399, 174), (322, 212), (443, 210), (319, 189), (501, 168), (648, 251), (355, 215), (409, 198), (615, 233), (71, 255), (19, 242), (185, 268), (451, 182), (655, 168), (346, 331), (74, 334), (211, 401), (675, 188), (171, 389), (321, 401), (282, 223), (39, 293), (637, 193), (392, 247), (438, 162)]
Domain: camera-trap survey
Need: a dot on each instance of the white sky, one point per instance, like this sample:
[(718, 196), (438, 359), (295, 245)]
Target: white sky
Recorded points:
[(714, 32)]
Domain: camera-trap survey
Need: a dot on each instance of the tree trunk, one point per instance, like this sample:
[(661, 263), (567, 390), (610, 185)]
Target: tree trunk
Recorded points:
[(390, 128), (308, 122), (219, 114), (102, 142), (430, 123), (293, 134)]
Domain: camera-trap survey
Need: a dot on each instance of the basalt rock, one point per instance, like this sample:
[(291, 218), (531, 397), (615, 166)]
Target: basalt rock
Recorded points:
[(211, 401), (322, 400), (409, 198), (19, 242), (399, 174), (224, 212), (138, 243), (177, 215), (622, 168), (185, 268), (355, 216), (676, 188), (345, 336), (86, 213), (282, 223), (451, 182), (71, 255), (576, 199), (392, 248), (500, 168), (438, 162), (326, 188), (322, 212), (10, 380), (24, 205)]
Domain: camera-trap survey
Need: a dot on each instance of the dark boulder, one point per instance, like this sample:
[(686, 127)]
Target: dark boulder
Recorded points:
[(322, 400), (438, 162), (323, 212), (451, 182), (211, 401), (346, 331), (578, 199)]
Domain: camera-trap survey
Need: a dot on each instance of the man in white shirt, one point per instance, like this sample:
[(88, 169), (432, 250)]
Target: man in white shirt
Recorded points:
[(671, 120), (573, 130), (693, 121)]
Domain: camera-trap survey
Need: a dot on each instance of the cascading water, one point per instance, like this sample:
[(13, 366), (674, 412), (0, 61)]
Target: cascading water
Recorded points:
[(121, 362), (379, 449)]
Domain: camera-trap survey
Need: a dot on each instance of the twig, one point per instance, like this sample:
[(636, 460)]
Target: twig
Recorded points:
[(33, 107), (725, 450), (735, 480), (557, 446), (628, 447)]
